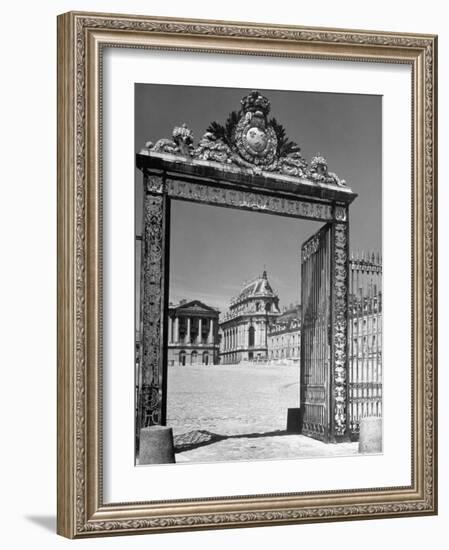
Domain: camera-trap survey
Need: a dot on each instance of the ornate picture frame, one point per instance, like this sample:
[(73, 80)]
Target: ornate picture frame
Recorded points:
[(82, 39)]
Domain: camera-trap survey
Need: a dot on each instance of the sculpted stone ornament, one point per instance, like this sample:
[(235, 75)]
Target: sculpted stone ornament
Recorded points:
[(249, 140), (211, 148), (255, 138), (319, 172), (182, 143), (294, 165)]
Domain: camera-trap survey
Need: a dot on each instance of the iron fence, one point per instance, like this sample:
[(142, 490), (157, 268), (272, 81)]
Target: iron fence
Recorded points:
[(365, 339)]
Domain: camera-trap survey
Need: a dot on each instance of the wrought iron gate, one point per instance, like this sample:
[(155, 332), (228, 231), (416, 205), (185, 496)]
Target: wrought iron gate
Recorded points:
[(315, 334), (324, 360)]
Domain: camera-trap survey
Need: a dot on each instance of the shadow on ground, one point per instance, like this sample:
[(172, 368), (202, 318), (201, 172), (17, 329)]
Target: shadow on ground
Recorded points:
[(201, 438), (46, 522)]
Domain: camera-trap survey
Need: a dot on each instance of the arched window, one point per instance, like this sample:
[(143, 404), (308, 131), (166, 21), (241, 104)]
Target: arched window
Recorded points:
[(251, 332), (193, 358), (205, 358), (267, 307), (182, 358)]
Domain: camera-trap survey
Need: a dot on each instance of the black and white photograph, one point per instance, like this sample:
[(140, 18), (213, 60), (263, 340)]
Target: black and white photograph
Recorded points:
[(258, 274)]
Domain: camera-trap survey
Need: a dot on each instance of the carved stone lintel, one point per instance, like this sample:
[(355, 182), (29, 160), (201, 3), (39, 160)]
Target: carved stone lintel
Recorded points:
[(248, 200)]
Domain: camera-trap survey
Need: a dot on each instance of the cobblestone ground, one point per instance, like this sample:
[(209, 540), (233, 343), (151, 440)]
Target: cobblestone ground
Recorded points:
[(234, 412)]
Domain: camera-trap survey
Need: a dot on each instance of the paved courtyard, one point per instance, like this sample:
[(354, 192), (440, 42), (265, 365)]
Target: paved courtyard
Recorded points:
[(238, 412)]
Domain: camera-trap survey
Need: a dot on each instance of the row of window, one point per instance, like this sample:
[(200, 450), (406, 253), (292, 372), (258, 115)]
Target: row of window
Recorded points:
[(284, 353), (287, 340), (195, 358)]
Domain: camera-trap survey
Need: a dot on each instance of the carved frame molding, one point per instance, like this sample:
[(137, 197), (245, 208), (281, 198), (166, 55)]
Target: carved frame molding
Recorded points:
[(81, 36)]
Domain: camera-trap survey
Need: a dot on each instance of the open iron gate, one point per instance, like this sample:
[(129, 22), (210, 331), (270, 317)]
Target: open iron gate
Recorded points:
[(324, 298)]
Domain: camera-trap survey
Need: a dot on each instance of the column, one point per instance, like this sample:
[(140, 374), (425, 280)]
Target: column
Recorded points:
[(153, 267), (200, 328), (175, 336), (338, 388), (170, 330), (210, 337), (188, 330)]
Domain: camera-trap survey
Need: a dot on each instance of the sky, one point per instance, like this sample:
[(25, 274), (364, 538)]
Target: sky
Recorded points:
[(213, 250)]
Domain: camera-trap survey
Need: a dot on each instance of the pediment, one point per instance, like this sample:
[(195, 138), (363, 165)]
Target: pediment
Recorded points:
[(195, 306)]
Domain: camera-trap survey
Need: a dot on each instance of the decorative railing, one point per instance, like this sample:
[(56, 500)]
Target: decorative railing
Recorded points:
[(365, 339)]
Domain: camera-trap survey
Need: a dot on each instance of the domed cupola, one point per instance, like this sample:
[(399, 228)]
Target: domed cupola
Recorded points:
[(259, 293)]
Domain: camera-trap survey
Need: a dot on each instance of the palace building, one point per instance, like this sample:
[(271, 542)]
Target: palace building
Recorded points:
[(284, 337), (244, 327), (192, 334)]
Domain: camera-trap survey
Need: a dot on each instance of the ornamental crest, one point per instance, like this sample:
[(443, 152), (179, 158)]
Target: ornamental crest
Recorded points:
[(255, 138), (248, 140)]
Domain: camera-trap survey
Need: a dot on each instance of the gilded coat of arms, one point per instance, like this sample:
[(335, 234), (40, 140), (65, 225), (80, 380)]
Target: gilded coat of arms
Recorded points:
[(255, 139)]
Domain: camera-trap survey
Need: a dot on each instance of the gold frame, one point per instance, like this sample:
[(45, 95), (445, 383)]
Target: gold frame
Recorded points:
[(81, 37)]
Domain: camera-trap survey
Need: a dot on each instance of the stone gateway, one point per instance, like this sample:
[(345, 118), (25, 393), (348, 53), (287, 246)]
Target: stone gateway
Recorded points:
[(247, 163)]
